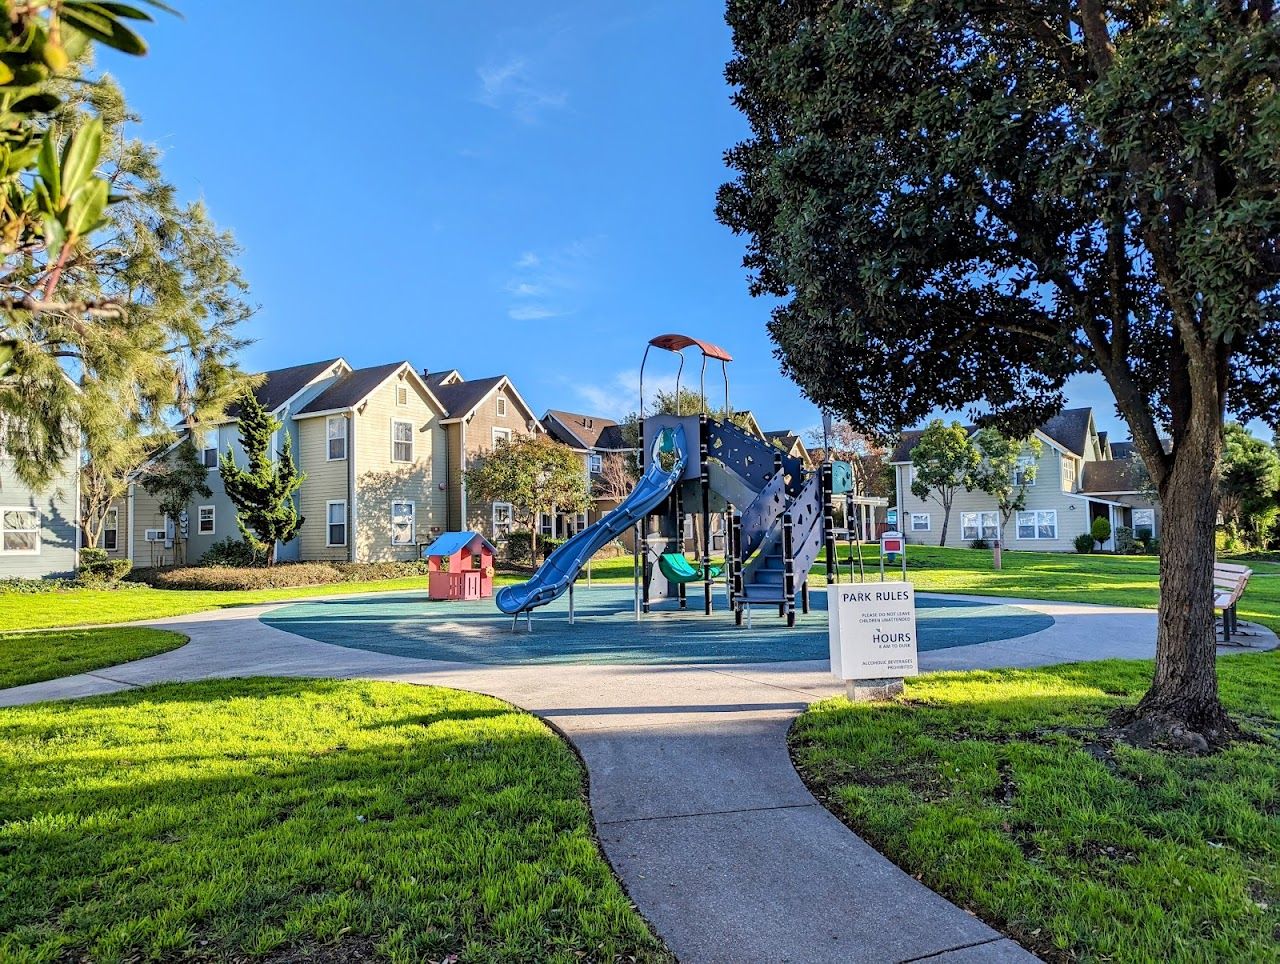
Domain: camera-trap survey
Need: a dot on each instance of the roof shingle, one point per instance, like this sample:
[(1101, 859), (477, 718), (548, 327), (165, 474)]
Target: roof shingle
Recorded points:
[(350, 388), (282, 384)]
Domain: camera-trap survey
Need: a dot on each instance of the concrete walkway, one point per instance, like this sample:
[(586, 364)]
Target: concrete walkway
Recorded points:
[(696, 803)]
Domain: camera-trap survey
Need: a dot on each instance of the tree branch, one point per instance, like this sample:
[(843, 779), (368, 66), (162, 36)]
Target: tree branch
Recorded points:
[(95, 307)]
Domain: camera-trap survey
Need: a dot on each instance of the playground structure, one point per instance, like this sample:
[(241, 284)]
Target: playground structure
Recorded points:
[(459, 566), (777, 516)]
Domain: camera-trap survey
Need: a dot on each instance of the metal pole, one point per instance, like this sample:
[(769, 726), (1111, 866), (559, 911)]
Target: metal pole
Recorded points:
[(735, 550), (635, 566), (678, 507), (788, 606), (704, 452), (571, 602), (644, 564), (829, 524)]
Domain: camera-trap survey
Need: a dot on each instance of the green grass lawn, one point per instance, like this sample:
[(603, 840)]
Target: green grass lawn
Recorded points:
[(34, 657), (1066, 577), (998, 791), (293, 818)]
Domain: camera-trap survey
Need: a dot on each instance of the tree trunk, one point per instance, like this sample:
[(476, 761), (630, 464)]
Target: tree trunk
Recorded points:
[(1184, 691), (946, 521)]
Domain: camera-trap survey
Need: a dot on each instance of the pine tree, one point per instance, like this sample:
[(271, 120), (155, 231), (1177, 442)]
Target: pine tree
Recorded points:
[(262, 493)]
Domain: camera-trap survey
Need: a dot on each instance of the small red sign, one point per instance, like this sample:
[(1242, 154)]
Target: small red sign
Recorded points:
[(891, 545)]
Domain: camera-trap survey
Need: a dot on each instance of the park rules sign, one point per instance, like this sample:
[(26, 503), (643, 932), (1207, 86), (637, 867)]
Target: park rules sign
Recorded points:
[(873, 630)]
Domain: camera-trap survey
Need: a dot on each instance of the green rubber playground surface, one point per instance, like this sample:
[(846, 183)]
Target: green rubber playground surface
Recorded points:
[(606, 630)]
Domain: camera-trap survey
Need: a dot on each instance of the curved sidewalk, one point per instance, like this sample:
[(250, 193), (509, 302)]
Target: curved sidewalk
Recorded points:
[(694, 796)]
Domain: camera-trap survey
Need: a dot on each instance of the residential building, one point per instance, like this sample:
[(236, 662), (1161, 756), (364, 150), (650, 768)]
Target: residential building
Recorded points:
[(1079, 476), (39, 528), (371, 444), (596, 440), (791, 444), (481, 412)]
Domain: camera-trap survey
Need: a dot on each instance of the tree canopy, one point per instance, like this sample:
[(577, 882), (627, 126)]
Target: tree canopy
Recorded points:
[(1006, 468), (263, 492), (943, 461), (964, 205)]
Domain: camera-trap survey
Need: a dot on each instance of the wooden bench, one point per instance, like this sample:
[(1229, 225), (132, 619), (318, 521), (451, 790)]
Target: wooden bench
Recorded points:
[(1229, 581)]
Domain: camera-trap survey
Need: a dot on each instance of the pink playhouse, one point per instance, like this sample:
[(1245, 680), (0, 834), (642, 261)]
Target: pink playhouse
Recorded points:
[(460, 566)]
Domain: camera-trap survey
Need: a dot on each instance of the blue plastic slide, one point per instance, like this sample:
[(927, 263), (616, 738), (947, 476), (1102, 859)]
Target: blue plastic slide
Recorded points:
[(562, 566)]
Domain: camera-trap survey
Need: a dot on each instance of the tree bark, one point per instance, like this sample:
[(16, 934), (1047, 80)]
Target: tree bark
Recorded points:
[(1184, 690), (946, 521)]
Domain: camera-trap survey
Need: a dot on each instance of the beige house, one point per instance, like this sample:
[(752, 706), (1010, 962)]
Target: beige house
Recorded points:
[(1079, 476), (596, 440), (372, 444), (481, 413)]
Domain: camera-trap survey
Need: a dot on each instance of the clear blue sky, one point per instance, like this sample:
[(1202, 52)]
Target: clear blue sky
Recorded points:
[(496, 187)]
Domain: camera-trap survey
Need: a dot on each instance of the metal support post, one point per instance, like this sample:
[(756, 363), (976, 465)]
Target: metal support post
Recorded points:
[(704, 477), (678, 507), (788, 605), (828, 528)]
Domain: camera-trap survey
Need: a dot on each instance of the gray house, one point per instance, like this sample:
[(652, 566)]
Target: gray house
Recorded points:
[(1080, 476), (39, 529)]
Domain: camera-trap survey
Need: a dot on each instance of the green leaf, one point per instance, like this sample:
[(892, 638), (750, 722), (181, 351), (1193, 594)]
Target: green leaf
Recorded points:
[(47, 165), (81, 156), (6, 74), (86, 210), (125, 11), (7, 350), (37, 104), (54, 236), (105, 30)]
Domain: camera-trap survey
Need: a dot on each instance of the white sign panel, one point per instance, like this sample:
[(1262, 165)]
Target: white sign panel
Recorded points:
[(872, 628)]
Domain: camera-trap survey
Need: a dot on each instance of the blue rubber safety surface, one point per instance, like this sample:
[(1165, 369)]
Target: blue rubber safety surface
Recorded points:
[(606, 630)]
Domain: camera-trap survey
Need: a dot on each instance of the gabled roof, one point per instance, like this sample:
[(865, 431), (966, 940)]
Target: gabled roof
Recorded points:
[(1123, 450), (1068, 429), (459, 398), (583, 431), (1115, 475), (436, 380), (451, 542), (354, 387), (282, 384)]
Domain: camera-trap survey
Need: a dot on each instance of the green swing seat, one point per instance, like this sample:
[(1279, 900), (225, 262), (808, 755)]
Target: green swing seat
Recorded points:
[(678, 569)]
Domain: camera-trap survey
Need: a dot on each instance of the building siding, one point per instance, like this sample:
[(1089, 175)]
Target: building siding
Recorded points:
[(326, 482), (381, 481), (58, 507)]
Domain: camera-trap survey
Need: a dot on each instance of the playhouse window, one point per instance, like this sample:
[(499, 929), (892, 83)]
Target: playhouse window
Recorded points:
[(402, 523), (337, 517)]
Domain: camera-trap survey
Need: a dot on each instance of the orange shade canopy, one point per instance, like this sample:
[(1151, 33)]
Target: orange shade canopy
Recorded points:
[(679, 342)]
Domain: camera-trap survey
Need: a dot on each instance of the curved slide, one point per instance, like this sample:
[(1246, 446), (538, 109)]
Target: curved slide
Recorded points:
[(562, 566)]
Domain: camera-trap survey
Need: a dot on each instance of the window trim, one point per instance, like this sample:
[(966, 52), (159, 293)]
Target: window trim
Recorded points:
[(112, 514), (497, 433), (213, 520), (595, 463), (500, 406), (493, 516), (413, 521), (928, 521), (1069, 466), (330, 439), (981, 526), (205, 449), (1146, 525), (38, 530), (402, 391), (329, 524), (1035, 525), (394, 441), (1026, 461)]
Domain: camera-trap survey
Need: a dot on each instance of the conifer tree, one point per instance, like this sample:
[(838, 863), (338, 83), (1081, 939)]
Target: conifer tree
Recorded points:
[(263, 492)]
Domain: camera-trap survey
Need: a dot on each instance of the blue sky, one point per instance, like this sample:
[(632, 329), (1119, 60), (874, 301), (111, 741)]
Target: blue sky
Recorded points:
[(496, 187)]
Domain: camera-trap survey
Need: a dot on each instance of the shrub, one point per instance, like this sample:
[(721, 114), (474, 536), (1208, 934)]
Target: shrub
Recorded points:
[(1084, 543), (979, 543), (1126, 544), (1100, 530), (1228, 540), (361, 571), (104, 572), (520, 545), (548, 545), (235, 553), (25, 587), (223, 578)]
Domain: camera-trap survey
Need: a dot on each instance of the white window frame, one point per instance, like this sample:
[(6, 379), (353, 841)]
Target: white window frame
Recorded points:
[(1025, 462), (402, 396), (395, 442), (329, 524), (1068, 474), (213, 520), (595, 463), (928, 522), (1035, 523), (986, 525), (330, 438), (501, 435), (111, 523), (413, 521), (1148, 513), (500, 406), (498, 525), (206, 448), (5, 530)]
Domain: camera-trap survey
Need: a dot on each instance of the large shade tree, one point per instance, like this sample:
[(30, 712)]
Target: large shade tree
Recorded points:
[(964, 204)]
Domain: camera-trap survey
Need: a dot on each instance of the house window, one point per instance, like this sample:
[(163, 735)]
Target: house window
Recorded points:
[(546, 524), (979, 525), (20, 531), (501, 518), (209, 449), (1068, 475), (402, 523), (919, 522), (501, 435), (500, 406), (402, 395), (1144, 523), (1024, 473), (401, 441), (1040, 524), (337, 518), (595, 463), (336, 430), (205, 520), (111, 530)]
